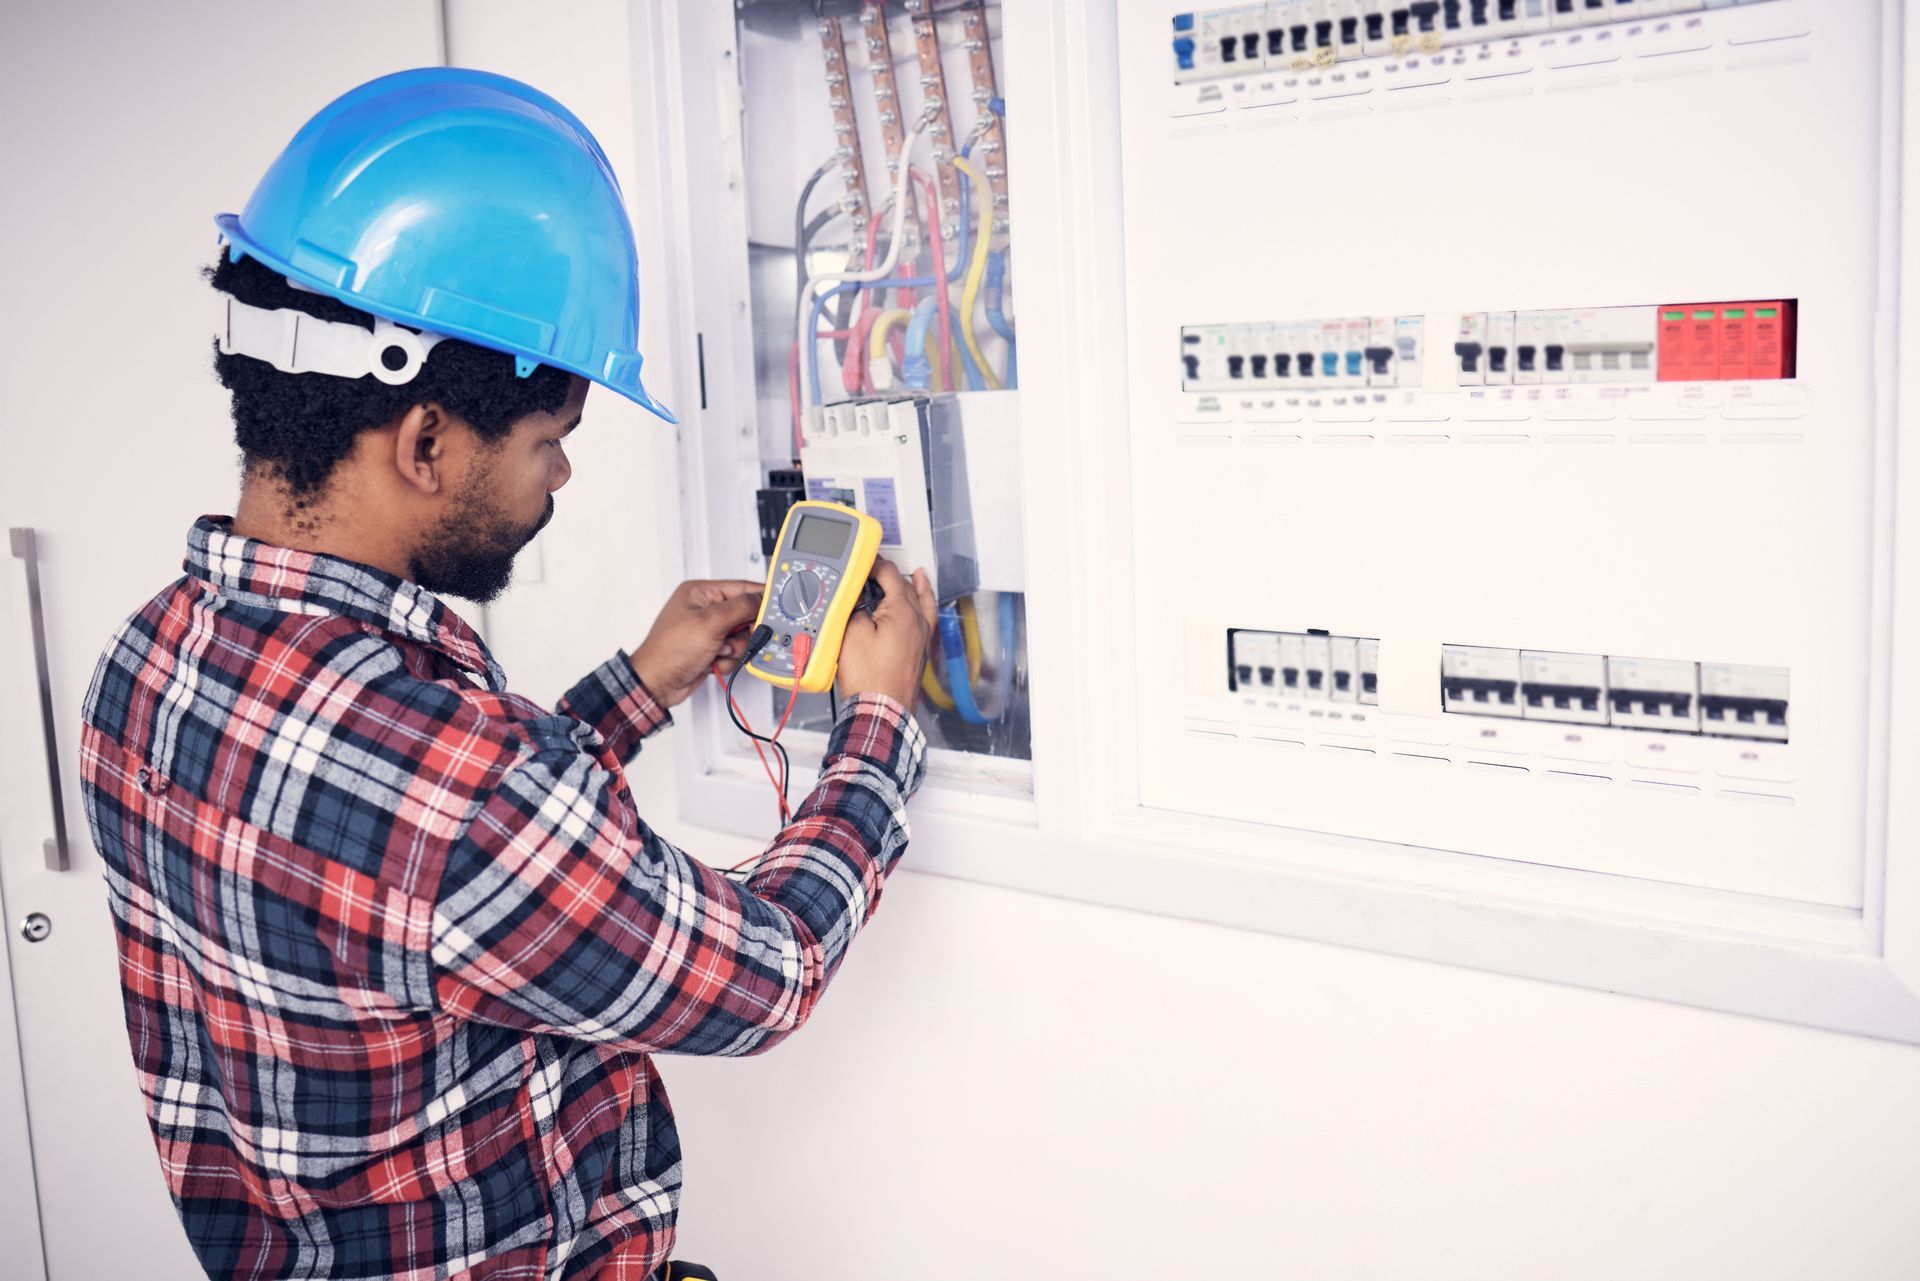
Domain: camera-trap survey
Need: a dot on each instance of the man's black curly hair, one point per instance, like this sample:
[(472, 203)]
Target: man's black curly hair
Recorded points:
[(297, 427)]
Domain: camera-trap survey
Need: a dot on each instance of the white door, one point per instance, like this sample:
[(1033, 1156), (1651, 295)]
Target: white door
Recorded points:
[(127, 127)]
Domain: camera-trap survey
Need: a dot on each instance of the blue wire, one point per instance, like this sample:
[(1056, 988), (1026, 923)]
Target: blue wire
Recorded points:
[(917, 369), (996, 285), (959, 684), (898, 282)]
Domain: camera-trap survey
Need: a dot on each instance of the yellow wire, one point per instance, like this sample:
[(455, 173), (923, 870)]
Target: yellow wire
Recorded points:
[(945, 366), (935, 692), (970, 632), (977, 269), (877, 344)]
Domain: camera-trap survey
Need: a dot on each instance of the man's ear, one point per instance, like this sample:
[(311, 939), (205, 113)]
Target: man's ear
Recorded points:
[(420, 448)]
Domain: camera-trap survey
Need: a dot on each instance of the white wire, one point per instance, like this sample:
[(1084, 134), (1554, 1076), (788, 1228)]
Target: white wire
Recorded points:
[(895, 239)]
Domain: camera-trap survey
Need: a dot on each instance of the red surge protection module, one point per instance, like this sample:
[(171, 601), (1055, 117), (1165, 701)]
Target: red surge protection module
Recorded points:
[(1726, 341), (1770, 325)]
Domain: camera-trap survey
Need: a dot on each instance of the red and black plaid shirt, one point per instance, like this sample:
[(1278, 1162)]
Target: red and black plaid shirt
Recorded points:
[(396, 947)]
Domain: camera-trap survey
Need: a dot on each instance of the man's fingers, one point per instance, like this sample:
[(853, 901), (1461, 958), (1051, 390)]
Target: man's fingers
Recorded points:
[(924, 599), (705, 592), (729, 587), (887, 574), (738, 609)]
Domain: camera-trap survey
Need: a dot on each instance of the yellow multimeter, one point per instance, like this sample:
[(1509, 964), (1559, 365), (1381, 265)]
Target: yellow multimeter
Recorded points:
[(817, 576)]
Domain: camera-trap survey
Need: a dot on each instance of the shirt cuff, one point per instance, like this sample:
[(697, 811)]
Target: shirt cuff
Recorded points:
[(883, 733), (620, 708)]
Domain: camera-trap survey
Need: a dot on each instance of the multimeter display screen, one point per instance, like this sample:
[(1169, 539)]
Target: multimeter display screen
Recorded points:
[(822, 536)]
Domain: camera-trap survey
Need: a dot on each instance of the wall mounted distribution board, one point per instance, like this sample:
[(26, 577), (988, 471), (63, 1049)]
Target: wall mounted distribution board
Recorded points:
[(1453, 477), (1448, 404), (1500, 339)]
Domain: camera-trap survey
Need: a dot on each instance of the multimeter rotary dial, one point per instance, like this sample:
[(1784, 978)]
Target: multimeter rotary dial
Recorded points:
[(800, 594)]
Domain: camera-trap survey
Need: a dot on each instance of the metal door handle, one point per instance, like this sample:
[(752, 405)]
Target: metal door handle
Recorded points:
[(26, 549)]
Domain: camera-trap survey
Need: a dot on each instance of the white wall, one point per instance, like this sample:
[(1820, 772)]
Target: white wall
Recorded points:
[(1000, 1081)]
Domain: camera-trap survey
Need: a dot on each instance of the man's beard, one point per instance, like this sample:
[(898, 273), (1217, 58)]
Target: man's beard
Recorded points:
[(470, 552)]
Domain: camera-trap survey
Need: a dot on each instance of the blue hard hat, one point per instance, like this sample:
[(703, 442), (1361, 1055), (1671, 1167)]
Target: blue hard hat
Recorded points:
[(462, 203)]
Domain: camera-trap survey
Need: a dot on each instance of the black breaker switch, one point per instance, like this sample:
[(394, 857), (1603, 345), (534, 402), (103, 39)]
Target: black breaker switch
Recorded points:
[(1497, 360), (1376, 26), (1349, 31), (1399, 17), (1192, 362), (784, 488), (1378, 357), (1469, 353), (1250, 45), (1622, 700), (1259, 364), (1425, 13), (1525, 352), (1323, 33), (1721, 708), (1236, 366), (1555, 355), (1477, 689), (1562, 697)]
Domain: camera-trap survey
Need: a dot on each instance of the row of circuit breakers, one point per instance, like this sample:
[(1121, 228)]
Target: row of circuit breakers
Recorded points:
[(1675, 342), (1730, 700), (1297, 34)]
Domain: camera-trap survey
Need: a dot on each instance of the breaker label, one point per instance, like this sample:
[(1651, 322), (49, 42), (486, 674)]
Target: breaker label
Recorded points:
[(883, 507)]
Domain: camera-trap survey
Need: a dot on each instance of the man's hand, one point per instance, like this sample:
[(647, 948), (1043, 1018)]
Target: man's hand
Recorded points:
[(884, 653), (691, 635)]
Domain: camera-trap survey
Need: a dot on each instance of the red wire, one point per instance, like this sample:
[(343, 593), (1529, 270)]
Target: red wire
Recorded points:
[(779, 790), (854, 375), (802, 650), (945, 363)]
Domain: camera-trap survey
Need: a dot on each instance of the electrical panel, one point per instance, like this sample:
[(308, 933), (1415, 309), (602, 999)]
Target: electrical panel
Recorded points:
[(876, 329), (1484, 335)]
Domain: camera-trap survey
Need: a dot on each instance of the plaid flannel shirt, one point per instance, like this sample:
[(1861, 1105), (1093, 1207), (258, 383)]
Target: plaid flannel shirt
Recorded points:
[(396, 948)]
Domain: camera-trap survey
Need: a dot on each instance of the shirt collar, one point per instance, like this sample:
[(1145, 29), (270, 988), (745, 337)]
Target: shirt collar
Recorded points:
[(315, 583)]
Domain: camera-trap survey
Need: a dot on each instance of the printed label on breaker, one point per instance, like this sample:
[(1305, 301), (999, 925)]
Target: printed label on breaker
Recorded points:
[(882, 506), (825, 492)]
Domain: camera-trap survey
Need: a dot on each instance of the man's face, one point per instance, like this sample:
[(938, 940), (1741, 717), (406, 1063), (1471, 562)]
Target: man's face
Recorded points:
[(504, 499)]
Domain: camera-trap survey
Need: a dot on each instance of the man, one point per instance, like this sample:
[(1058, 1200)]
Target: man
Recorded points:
[(395, 946)]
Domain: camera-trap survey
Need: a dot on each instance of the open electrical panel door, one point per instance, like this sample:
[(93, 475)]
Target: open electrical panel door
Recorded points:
[(1468, 464)]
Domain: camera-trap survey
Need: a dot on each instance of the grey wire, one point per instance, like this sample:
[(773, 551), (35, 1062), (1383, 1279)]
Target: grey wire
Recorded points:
[(804, 230), (801, 234)]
